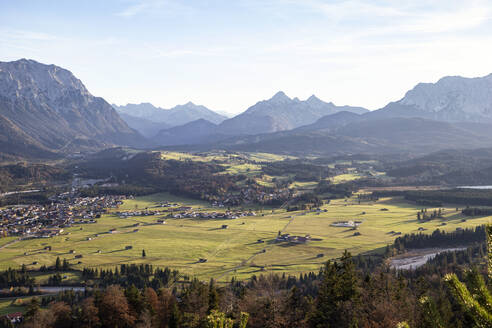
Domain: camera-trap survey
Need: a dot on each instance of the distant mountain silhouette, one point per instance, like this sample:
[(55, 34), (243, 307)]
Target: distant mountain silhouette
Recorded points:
[(198, 131), (178, 115), (281, 113)]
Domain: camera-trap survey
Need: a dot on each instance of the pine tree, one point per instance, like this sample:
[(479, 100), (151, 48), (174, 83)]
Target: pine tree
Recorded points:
[(32, 308), (175, 317), (143, 253), (430, 315), (218, 319), (338, 287), (213, 297), (57, 264), (480, 313)]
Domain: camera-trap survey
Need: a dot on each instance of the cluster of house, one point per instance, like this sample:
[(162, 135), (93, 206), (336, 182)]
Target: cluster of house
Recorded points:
[(292, 239), (44, 221), (127, 214), (177, 211), (212, 215), (14, 318), (250, 195), (169, 208)]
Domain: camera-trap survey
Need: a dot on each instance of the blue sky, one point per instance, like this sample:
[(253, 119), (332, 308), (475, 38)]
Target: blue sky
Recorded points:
[(227, 55)]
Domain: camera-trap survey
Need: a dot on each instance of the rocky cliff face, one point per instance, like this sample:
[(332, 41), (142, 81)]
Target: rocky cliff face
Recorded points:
[(55, 110), (452, 98)]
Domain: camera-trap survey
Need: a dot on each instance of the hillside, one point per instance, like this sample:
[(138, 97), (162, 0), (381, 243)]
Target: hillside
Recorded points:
[(392, 135), (145, 126), (194, 132)]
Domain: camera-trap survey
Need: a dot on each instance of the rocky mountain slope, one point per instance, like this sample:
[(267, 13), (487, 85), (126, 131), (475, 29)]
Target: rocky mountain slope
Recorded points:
[(452, 99), (46, 108)]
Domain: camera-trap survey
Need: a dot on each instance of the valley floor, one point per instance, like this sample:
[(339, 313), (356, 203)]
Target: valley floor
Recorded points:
[(234, 251)]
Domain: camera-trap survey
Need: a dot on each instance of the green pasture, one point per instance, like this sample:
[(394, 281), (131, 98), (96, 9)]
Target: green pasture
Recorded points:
[(303, 184), (344, 178), (234, 251), (247, 169), (12, 305)]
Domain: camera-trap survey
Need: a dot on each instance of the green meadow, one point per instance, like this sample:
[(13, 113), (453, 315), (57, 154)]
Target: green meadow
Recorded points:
[(234, 251)]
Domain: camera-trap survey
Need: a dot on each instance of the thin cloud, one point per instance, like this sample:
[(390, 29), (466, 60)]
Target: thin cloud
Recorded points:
[(162, 7), (26, 35), (133, 10)]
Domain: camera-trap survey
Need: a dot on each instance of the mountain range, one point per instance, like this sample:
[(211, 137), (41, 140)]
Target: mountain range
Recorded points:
[(148, 119), (279, 113), (453, 112), (45, 111), (451, 99)]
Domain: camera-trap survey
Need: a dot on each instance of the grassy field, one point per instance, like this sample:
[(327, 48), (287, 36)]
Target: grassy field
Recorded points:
[(233, 251), (223, 157), (12, 305), (303, 185), (345, 177)]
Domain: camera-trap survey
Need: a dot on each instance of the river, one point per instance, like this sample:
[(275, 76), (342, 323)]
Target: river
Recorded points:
[(475, 187), (418, 257)]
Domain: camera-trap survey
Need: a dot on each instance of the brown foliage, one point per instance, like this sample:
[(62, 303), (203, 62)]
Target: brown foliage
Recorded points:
[(114, 310)]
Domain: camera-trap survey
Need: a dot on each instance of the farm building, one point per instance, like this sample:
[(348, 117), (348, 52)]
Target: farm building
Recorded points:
[(293, 239), (346, 224), (15, 317)]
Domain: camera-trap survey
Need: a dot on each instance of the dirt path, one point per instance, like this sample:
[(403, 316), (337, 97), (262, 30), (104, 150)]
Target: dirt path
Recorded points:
[(252, 257), (10, 243)]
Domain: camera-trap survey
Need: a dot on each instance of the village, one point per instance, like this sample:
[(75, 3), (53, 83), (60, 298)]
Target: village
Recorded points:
[(251, 195), (177, 211), (212, 215), (44, 221)]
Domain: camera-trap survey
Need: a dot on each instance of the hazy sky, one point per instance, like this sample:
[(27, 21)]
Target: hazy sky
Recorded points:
[(229, 54)]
